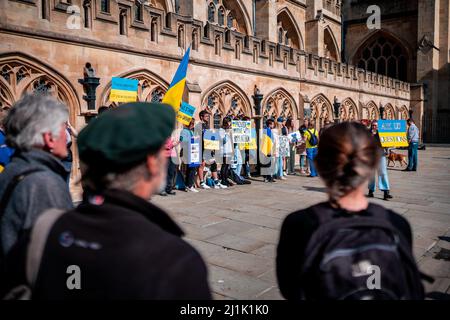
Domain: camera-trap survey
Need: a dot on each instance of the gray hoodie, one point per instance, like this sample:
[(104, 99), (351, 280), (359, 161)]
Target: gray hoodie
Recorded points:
[(36, 193)]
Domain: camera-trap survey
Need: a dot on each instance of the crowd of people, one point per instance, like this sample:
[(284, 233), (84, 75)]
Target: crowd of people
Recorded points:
[(128, 248)]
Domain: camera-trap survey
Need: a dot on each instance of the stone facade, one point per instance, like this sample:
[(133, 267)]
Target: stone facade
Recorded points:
[(289, 49), (414, 38)]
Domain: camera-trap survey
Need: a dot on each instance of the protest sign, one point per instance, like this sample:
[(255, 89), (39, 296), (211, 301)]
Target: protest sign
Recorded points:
[(294, 136), (284, 146), (185, 113), (392, 133), (241, 131), (211, 140), (123, 90), (194, 152)]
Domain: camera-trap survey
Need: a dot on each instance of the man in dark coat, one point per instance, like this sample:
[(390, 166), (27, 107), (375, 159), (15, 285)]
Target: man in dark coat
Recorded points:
[(117, 245)]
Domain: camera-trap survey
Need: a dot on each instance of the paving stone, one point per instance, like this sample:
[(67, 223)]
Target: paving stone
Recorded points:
[(263, 234), (268, 251), (230, 283), (246, 263), (236, 242)]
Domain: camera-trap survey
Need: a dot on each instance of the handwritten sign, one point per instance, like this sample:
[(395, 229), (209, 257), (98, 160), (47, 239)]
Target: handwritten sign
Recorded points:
[(211, 140), (241, 131), (284, 146), (123, 90), (185, 113), (392, 133)]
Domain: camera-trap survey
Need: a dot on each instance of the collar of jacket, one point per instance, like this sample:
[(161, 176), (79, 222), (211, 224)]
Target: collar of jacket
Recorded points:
[(148, 210), (42, 158)]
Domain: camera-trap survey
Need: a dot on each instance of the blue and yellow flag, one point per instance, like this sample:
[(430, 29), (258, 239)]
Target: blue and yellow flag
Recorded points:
[(174, 95), (392, 133), (267, 143), (123, 90)]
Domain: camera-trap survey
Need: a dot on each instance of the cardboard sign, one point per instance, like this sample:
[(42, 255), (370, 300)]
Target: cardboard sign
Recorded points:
[(392, 133), (294, 136), (194, 152), (284, 146), (241, 131), (211, 140), (123, 90), (185, 113), (250, 145)]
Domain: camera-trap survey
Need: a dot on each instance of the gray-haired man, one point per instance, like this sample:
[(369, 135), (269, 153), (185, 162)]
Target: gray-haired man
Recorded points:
[(35, 127)]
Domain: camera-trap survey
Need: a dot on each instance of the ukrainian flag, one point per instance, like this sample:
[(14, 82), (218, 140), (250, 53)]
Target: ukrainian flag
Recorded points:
[(267, 143), (174, 95)]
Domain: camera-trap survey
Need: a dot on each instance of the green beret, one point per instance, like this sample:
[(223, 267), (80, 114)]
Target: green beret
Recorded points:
[(121, 138)]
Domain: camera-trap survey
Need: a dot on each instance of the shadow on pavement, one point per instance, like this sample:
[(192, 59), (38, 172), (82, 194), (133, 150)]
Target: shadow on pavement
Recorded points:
[(315, 189)]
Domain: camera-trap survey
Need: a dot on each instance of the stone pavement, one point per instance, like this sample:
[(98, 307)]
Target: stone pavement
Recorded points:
[(236, 230)]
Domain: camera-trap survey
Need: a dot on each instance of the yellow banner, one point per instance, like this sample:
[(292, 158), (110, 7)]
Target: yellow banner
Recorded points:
[(393, 139), (122, 96), (211, 144)]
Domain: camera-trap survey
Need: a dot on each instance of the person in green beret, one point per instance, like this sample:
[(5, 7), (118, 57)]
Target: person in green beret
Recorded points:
[(117, 244)]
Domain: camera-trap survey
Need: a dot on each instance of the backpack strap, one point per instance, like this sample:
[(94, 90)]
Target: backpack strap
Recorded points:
[(38, 239), (11, 186)]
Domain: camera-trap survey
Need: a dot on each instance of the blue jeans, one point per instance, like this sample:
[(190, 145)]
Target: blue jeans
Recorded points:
[(302, 161), (279, 167), (412, 155), (383, 179), (311, 153)]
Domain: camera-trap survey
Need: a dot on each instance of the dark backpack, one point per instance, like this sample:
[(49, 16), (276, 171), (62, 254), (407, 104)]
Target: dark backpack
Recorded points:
[(313, 141), (346, 257)]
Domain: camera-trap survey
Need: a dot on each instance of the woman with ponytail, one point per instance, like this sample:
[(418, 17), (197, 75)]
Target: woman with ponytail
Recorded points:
[(324, 250)]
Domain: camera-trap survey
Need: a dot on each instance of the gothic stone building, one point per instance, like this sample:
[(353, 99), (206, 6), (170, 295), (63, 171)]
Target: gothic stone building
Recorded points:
[(300, 54)]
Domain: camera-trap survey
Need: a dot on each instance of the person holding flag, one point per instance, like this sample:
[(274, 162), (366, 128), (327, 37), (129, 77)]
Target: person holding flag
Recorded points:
[(266, 149)]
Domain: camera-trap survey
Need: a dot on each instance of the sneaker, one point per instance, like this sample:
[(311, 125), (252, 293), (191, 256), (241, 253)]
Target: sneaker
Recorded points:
[(163, 194), (283, 178), (220, 186), (204, 186), (191, 189), (370, 194), (231, 182), (285, 174)]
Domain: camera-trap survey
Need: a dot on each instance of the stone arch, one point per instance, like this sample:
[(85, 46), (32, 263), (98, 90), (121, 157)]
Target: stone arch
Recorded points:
[(383, 52), (349, 110), (370, 111), (279, 103), (165, 5), (151, 87), (226, 99), (321, 110), (331, 48), (232, 8), (389, 112), (288, 23), (403, 113), (20, 74)]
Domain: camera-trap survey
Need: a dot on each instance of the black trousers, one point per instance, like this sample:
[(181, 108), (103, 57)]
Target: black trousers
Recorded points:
[(224, 170), (190, 176), (171, 174)]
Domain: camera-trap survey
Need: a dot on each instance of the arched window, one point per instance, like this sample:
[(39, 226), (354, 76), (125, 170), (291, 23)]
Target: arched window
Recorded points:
[(230, 20), (104, 6), (195, 39), (237, 50), (211, 12), (217, 45), (280, 35), (384, 55), (138, 11), (123, 22), (181, 36), (87, 13), (154, 30), (227, 36), (221, 16)]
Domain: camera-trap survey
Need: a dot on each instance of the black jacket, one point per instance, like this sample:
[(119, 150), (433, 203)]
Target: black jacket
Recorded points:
[(125, 247), (297, 230)]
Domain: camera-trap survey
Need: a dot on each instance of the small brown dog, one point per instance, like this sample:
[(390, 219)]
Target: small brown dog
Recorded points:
[(392, 157)]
